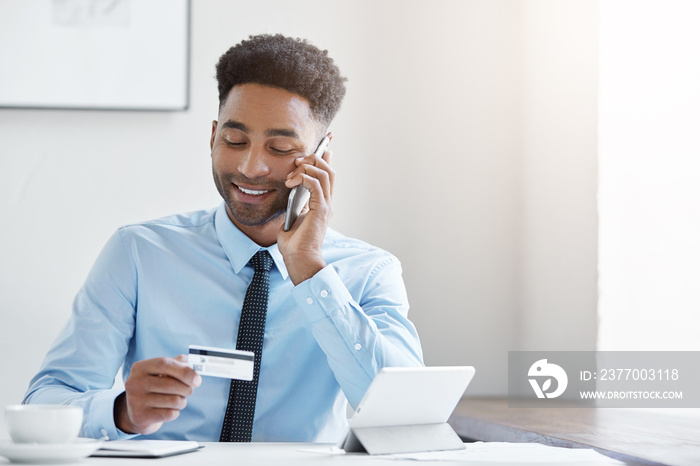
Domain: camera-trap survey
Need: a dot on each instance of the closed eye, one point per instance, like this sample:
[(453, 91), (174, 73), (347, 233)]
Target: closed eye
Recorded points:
[(281, 151)]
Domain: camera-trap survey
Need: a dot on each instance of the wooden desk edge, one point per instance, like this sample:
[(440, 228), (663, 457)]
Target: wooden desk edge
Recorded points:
[(472, 427)]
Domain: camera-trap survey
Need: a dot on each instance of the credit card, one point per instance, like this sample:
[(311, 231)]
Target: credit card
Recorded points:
[(221, 362)]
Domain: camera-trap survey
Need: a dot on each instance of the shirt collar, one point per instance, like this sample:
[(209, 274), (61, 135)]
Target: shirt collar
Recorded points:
[(238, 247)]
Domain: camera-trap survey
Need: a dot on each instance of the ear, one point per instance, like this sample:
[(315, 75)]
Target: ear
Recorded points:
[(213, 134)]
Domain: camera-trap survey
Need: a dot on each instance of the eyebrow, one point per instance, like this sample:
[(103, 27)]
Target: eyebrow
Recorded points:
[(236, 125), (290, 133)]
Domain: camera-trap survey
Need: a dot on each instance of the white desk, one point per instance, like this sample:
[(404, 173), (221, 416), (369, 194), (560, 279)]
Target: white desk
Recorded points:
[(244, 454), (289, 454), (253, 454)]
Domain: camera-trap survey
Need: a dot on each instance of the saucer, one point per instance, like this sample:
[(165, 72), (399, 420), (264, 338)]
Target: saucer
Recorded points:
[(32, 453)]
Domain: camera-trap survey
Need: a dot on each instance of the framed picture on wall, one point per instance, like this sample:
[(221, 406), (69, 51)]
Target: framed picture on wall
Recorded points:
[(95, 54)]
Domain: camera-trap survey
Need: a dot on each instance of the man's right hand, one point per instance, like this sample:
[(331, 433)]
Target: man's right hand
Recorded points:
[(156, 391)]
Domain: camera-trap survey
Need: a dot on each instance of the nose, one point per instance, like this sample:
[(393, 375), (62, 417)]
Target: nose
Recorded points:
[(253, 163)]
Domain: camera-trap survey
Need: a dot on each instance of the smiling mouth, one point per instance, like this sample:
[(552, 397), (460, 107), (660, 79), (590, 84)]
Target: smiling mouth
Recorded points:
[(253, 192)]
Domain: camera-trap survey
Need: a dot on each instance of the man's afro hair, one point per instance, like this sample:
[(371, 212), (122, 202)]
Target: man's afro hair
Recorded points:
[(288, 63)]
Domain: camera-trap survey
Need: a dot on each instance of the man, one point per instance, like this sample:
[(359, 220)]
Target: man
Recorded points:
[(336, 307)]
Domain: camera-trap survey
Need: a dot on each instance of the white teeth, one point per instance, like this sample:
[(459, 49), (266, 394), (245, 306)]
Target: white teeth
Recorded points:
[(253, 192)]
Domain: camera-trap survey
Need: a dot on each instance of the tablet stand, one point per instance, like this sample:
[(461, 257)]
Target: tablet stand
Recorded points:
[(381, 440)]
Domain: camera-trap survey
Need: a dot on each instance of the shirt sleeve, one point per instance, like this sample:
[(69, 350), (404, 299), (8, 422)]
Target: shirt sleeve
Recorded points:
[(81, 366), (360, 336)]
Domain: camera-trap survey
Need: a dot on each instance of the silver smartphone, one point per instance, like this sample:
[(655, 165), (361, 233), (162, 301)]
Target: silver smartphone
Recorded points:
[(299, 195)]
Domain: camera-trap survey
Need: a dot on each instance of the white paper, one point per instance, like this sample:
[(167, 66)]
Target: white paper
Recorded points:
[(493, 453), (513, 453), (145, 448)]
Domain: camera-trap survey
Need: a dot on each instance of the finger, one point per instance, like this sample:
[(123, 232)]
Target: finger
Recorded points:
[(140, 390), (197, 379), (316, 172), (141, 405), (164, 415), (166, 385), (317, 203), (322, 163), (325, 164), (311, 159), (176, 369), (322, 176), (322, 171), (150, 420), (161, 401), (327, 156)]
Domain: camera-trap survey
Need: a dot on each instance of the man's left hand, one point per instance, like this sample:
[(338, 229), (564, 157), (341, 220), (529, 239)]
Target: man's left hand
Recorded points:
[(301, 245)]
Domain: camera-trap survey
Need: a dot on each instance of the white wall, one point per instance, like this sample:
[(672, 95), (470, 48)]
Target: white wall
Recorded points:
[(558, 176), (649, 176), (466, 146)]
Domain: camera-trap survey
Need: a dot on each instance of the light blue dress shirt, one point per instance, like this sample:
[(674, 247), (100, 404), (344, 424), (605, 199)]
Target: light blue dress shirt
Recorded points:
[(160, 286)]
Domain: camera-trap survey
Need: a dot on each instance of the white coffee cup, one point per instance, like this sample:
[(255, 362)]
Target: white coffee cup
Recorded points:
[(35, 423)]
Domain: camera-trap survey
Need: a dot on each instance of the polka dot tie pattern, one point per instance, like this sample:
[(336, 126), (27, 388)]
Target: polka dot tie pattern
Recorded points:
[(238, 420)]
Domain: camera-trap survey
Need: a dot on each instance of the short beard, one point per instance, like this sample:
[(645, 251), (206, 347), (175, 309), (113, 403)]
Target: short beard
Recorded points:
[(252, 220), (251, 216)]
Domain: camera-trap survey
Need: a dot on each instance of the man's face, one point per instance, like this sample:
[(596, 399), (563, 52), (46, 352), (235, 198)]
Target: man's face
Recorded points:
[(260, 132)]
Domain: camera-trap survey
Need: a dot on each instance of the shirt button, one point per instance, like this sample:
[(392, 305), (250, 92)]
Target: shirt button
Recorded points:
[(358, 346), (309, 300), (104, 432), (324, 293)]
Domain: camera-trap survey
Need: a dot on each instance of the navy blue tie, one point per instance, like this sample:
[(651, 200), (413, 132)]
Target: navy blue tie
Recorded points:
[(238, 420)]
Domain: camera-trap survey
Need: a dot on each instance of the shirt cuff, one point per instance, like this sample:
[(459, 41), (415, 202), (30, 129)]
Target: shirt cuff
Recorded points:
[(321, 295), (99, 422)]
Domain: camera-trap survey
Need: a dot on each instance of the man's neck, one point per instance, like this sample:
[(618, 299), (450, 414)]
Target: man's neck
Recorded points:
[(264, 235)]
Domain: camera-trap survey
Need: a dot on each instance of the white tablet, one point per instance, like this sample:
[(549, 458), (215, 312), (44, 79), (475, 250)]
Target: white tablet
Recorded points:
[(401, 396)]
